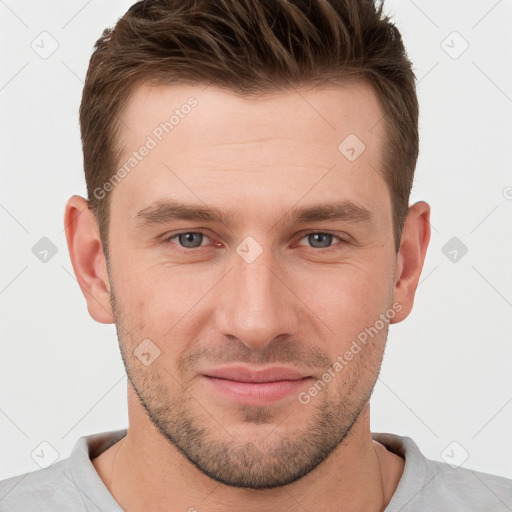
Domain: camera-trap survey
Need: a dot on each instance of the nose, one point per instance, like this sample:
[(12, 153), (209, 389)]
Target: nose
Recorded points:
[(255, 303)]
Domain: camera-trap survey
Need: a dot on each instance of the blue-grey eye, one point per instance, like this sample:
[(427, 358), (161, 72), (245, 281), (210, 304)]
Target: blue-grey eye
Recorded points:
[(323, 239), (187, 239)]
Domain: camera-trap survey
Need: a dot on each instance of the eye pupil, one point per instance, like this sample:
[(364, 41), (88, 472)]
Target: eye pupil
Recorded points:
[(321, 237), (185, 238)]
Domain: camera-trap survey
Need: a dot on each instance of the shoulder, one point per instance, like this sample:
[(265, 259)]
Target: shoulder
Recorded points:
[(70, 484), (43, 490), (469, 489), (431, 485)]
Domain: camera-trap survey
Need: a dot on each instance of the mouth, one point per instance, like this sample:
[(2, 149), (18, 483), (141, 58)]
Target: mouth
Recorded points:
[(256, 386)]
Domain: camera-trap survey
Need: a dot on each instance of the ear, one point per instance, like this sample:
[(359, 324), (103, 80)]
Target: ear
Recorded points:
[(410, 257), (86, 252)]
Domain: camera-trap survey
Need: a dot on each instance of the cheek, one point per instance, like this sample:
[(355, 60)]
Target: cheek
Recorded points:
[(163, 304), (347, 297)]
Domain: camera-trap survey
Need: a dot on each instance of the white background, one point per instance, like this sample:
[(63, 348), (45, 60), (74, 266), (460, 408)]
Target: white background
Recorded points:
[(446, 375)]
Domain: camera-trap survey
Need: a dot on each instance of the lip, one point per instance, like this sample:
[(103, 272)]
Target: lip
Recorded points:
[(254, 375), (254, 387)]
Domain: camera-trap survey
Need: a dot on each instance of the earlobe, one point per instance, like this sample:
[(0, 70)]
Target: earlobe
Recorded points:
[(411, 256), (86, 253)]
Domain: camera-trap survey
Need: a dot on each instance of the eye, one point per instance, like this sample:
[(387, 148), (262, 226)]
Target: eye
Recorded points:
[(188, 239), (321, 239)]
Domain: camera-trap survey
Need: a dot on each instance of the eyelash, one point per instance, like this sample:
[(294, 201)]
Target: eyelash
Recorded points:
[(185, 250)]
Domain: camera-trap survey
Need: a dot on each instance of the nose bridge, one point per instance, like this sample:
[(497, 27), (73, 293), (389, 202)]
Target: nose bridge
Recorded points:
[(254, 306)]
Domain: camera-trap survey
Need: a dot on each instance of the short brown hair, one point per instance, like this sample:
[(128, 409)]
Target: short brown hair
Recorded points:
[(250, 47)]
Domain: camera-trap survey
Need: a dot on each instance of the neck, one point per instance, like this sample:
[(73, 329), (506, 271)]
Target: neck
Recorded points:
[(144, 471)]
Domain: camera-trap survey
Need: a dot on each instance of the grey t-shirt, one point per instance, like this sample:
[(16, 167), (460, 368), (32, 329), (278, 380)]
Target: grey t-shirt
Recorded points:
[(72, 484)]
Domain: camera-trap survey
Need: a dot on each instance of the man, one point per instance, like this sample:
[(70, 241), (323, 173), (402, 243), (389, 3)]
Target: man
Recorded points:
[(249, 165)]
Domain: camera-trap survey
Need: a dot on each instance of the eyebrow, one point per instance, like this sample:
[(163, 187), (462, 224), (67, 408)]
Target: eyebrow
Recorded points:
[(164, 211)]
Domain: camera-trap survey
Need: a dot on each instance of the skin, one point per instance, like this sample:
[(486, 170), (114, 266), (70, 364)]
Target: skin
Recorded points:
[(299, 304)]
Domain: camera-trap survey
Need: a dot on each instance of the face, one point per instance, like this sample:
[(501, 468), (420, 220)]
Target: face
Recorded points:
[(292, 266)]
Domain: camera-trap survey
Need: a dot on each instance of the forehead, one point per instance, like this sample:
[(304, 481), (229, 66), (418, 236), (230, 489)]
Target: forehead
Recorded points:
[(217, 115), (208, 143)]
